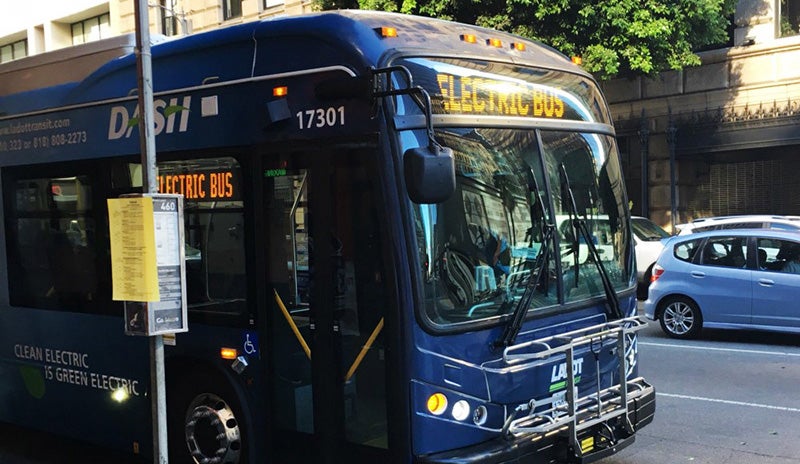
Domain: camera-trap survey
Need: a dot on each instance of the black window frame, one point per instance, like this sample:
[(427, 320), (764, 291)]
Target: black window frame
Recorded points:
[(82, 23), (231, 9), (12, 47)]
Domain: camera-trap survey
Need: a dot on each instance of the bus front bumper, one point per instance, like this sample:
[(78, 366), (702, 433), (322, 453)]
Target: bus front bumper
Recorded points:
[(555, 448)]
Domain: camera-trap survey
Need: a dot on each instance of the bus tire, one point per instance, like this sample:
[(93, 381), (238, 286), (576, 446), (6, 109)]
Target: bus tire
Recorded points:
[(205, 424)]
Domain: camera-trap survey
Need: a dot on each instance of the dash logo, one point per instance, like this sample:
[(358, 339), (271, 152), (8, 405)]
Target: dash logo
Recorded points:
[(165, 117)]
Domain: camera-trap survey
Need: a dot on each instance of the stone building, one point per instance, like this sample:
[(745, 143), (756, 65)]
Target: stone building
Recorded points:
[(717, 139), (722, 138)]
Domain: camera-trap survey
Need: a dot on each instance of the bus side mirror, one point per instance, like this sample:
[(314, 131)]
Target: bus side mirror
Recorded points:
[(430, 174)]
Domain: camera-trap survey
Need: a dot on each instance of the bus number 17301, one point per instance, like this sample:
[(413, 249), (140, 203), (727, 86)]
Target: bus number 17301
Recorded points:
[(320, 117)]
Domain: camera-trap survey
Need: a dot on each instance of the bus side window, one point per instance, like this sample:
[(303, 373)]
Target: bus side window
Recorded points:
[(51, 242), (72, 265), (214, 251)]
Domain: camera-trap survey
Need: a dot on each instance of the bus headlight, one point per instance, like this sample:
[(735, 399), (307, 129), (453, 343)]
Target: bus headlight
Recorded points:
[(120, 395), (461, 410)]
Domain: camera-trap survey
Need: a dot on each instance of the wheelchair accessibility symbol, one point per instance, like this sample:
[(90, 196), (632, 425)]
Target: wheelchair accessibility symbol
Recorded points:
[(250, 343)]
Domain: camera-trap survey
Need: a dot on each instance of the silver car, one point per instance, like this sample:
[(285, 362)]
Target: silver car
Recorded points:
[(727, 279)]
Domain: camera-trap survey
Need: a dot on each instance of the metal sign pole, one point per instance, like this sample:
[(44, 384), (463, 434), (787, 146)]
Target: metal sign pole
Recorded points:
[(148, 148)]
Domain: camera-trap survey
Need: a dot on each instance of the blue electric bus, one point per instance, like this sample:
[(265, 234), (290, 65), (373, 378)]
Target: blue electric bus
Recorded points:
[(407, 240)]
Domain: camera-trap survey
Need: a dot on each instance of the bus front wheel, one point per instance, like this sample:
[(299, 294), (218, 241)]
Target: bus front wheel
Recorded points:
[(206, 427)]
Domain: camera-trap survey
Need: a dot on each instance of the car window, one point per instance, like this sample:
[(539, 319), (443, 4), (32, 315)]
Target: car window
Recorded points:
[(725, 251), (647, 230), (768, 250), (779, 255), (685, 251)]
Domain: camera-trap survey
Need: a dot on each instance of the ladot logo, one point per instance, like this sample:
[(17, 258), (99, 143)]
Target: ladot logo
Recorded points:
[(558, 375), (165, 115)]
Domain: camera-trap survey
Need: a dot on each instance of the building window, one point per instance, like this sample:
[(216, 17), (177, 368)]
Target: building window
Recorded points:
[(13, 51), (272, 3), (91, 29), (169, 18), (790, 18), (232, 8)]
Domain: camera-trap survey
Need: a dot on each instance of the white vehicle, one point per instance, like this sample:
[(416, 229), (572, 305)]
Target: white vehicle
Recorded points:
[(751, 221), (600, 230), (649, 240)]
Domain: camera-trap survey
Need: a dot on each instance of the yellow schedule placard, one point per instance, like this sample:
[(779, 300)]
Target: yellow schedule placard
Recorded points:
[(134, 271)]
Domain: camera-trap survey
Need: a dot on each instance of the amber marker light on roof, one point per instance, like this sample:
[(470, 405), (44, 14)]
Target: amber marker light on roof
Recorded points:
[(577, 60), (520, 47), (469, 38), (280, 91), (228, 353), (387, 32), (494, 42)]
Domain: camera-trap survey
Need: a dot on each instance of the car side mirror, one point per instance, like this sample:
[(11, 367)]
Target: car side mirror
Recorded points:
[(430, 173)]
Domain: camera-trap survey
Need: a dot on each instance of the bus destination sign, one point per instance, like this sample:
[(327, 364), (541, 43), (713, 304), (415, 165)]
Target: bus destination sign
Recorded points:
[(493, 97), (201, 186)]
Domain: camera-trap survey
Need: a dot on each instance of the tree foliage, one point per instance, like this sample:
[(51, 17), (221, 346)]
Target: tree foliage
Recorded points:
[(613, 37)]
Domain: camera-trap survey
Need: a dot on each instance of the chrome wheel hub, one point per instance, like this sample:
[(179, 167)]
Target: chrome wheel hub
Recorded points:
[(212, 431)]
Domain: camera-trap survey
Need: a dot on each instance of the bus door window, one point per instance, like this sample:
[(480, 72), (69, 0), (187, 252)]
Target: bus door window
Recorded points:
[(327, 235), (360, 304), (289, 261)]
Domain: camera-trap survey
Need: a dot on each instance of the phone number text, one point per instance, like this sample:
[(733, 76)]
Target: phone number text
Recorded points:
[(43, 141)]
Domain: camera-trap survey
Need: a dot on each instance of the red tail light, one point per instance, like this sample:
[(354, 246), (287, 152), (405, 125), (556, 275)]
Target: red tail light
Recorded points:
[(657, 271)]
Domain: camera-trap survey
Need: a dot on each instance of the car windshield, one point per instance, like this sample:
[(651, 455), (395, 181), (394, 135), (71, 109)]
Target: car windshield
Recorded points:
[(647, 230), (479, 247)]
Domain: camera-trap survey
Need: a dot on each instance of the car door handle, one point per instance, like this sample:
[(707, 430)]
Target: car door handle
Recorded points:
[(698, 274), (766, 282)]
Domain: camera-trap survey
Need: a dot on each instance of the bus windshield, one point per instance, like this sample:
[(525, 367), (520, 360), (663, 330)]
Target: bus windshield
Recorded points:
[(479, 247), (514, 216)]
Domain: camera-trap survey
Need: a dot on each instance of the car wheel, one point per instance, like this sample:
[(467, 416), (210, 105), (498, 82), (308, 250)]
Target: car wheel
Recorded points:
[(680, 317)]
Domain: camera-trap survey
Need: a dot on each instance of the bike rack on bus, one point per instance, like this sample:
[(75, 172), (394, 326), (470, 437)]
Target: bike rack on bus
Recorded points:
[(578, 413)]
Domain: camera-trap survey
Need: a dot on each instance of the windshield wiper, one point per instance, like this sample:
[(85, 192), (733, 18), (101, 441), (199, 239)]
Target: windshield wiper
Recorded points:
[(579, 224), (535, 278)]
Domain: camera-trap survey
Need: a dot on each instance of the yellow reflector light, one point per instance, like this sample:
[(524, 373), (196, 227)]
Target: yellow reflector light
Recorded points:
[(228, 353), (520, 47), (280, 91), (577, 60), (494, 42), (469, 38), (388, 32), (587, 445), (437, 404)]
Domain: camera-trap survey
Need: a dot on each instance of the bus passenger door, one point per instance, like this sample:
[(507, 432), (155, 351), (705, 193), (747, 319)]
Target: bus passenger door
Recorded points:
[(325, 274)]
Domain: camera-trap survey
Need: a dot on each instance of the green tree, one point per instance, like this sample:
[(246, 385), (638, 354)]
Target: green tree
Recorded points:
[(613, 37)]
